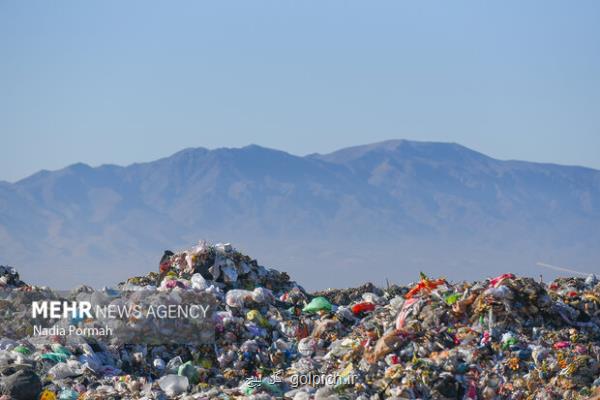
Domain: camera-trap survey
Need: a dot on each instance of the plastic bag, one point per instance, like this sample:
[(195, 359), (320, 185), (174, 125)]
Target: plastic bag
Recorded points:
[(174, 385), (318, 304)]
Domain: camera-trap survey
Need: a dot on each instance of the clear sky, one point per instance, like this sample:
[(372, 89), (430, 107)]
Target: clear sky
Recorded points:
[(124, 81)]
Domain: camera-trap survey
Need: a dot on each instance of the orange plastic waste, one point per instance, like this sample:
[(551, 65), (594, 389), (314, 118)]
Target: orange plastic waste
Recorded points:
[(424, 285)]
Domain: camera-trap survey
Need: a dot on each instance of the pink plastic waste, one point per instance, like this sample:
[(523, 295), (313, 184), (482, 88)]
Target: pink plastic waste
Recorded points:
[(406, 307), (499, 279), (561, 345)]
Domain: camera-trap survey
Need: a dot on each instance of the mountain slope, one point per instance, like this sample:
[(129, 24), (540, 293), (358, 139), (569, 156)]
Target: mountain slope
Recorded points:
[(361, 213)]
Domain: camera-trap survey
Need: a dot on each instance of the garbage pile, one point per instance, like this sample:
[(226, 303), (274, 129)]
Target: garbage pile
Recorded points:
[(508, 337)]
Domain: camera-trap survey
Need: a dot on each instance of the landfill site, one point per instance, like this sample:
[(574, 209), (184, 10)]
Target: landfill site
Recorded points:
[(265, 337)]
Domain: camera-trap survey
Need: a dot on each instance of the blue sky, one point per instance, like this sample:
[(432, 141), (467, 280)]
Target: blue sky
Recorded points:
[(118, 82)]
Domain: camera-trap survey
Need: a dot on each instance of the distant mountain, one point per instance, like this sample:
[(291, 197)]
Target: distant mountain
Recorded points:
[(384, 210)]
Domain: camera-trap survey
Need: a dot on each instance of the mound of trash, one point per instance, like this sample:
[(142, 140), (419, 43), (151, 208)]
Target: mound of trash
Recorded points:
[(507, 337)]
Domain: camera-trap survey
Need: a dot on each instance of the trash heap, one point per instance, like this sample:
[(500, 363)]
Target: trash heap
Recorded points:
[(503, 338)]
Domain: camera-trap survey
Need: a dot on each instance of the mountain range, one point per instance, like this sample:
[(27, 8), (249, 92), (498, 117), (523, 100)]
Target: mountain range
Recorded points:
[(376, 212)]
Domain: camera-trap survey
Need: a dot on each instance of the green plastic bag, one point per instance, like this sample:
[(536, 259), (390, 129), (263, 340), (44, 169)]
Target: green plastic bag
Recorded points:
[(317, 304), (56, 357), (189, 371), (60, 349), (22, 350), (452, 298)]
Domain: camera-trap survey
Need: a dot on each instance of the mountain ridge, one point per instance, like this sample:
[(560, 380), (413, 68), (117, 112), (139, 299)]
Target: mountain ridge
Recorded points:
[(399, 202), (311, 155)]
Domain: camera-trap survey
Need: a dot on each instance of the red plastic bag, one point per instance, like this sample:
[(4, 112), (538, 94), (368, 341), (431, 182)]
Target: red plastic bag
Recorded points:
[(362, 307)]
